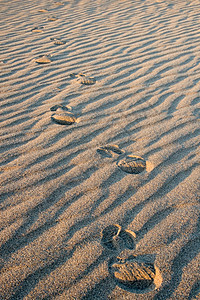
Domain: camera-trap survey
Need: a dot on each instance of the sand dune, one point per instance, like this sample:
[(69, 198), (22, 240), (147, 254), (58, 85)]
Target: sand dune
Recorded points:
[(102, 130)]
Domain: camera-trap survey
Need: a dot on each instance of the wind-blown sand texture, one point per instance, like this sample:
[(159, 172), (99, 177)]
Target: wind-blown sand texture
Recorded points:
[(58, 191)]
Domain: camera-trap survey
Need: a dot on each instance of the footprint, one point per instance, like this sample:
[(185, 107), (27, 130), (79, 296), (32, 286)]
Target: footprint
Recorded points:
[(83, 78), (37, 29), (60, 107), (62, 115), (110, 236), (87, 80), (128, 236), (114, 237), (104, 152), (52, 18), (135, 274), (64, 118), (43, 59), (43, 10), (109, 149), (58, 3), (58, 41), (132, 164)]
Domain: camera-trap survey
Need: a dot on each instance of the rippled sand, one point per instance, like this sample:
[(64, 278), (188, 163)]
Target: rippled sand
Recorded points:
[(129, 72)]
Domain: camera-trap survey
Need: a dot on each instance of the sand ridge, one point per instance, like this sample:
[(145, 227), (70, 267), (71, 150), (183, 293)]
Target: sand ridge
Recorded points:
[(126, 73)]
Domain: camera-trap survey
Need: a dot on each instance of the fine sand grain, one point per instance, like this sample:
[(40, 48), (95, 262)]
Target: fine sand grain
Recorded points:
[(100, 149)]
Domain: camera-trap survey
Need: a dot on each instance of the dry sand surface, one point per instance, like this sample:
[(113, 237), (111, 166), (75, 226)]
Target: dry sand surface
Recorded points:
[(100, 149)]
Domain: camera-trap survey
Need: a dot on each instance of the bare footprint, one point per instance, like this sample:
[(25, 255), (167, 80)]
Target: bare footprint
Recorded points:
[(86, 80), (43, 59), (37, 29), (58, 41), (109, 150), (132, 164), (115, 238), (135, 274)]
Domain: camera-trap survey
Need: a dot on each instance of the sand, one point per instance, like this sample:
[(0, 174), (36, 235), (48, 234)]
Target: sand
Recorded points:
[(124, 76)]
